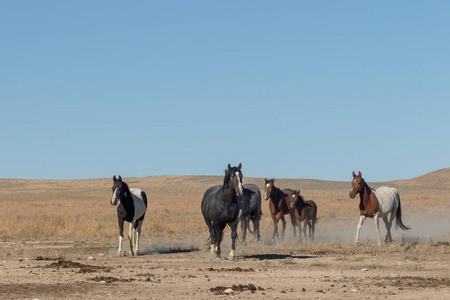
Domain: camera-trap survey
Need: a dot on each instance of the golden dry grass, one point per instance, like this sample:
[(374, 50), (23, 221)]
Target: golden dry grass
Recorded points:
[(80, 209)]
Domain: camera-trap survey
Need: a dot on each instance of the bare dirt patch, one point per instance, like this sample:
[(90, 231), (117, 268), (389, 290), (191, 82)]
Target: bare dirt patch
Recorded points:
[(284, 271), (82, 268), (223, 290)]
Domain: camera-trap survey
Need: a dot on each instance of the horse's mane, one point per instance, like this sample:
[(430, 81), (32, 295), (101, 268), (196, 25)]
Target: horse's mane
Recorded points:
[(125, 187), (302, 200)]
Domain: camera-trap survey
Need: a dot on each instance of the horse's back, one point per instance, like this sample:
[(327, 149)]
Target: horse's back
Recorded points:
[(388, 199), (253, 193), (311, 207), (251, 199), (140, 202)]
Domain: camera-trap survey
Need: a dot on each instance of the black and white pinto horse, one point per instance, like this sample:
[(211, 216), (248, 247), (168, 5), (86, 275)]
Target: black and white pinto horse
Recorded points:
[(250, 210), (132, 205), (220, 207)]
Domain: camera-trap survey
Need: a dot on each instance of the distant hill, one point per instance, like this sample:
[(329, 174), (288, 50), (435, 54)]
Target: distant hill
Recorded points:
[(169, 184), (435, 179)]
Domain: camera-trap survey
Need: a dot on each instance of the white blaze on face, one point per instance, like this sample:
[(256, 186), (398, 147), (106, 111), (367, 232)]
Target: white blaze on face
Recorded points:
[(292, 203), (265, 190), (239, 183), (113, 198)]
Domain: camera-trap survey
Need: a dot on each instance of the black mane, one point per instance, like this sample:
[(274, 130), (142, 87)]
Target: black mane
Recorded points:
[(228, 174)]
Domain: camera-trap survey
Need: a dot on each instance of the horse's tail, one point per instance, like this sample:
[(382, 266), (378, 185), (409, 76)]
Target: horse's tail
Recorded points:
[(398, 216)]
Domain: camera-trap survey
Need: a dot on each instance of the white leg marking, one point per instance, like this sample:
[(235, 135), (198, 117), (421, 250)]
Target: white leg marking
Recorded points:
[(138, 233), (120, 245), (361, 221), (377, 227), (131, 238)]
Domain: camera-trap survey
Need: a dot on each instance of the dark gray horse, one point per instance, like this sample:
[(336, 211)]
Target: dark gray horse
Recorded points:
[(220, 207), (250, 209)]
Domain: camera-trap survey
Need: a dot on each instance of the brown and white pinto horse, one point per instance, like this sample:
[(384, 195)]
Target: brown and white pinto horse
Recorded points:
[(305, 212), (377, 204), (278, 205)]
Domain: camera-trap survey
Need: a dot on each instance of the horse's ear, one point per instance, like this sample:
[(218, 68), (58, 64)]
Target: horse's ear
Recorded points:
[(229, 167), (354, 175), (240, 166), (114, 178), (120, 178), (359, 174)]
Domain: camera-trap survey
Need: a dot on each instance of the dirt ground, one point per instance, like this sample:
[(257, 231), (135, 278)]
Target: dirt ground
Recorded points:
[(87, 270)]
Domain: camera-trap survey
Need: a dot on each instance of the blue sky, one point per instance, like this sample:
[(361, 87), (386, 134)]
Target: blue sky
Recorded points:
[(291, 89)]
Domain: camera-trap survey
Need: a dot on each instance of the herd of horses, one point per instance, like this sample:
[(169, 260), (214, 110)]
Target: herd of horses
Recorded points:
[(232, 202)]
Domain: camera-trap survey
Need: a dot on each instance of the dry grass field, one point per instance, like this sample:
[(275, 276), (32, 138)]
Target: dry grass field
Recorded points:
[(52, 231)]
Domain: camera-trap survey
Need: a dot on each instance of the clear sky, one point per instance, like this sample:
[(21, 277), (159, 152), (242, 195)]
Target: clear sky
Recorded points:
[(291, 89)]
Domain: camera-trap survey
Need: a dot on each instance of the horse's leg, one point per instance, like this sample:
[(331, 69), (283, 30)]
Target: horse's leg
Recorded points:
[(233, 226), (211, 234), (377, 227), (283, 220), (361, 221), (138, 234), (298, 223), (217, 239), (256, 228), (313, 228), (309, 228), (388, 223), (275, 226), (131, 238), (244, 225), (120, 236), (293, 222), (305, 224)]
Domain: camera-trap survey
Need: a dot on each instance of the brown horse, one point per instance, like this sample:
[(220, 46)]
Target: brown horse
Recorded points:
[(278, 205), (383, 202), (304, 212)]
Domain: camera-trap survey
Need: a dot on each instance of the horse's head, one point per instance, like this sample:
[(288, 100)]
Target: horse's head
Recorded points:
[(268, 186), (294, 199), (357, 185), (234, 178), (119, 190)]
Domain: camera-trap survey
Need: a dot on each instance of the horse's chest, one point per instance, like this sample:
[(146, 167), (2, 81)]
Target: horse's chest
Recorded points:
[(126, 214), (369, 207)]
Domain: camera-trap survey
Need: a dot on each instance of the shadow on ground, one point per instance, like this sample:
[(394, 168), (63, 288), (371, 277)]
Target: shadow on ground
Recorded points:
[(277, 256)]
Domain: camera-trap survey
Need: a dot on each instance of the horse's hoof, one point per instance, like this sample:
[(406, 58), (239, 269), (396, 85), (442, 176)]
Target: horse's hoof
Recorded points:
[(232, 258)]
